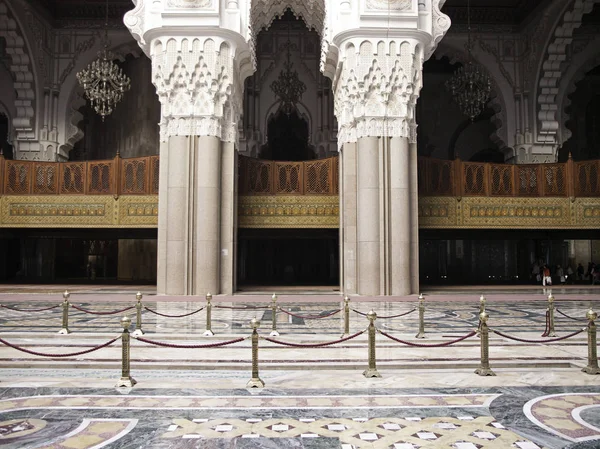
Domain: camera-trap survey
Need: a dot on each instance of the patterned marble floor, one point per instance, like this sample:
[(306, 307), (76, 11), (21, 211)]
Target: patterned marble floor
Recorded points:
[(313, 398)]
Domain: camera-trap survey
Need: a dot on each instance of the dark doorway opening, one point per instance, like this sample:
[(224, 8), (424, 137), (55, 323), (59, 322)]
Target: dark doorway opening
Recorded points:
[(295, 257)]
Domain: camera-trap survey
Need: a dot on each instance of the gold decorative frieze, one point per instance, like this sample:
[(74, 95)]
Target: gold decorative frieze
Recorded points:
[(509, 212), (289, 211), (78, 211)]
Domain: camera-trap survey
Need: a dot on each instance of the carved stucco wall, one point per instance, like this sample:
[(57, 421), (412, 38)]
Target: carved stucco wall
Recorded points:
[(132, 129)]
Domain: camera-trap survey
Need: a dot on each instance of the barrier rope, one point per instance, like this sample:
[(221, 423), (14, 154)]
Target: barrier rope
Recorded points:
[(29, 310), (102, 313), (570, 317), (242, 308), (314, 345), (386, 317), (172, 345), (547, 328), (421, 345), (87, 351), (310, 317), (173, 316), (523, 340)]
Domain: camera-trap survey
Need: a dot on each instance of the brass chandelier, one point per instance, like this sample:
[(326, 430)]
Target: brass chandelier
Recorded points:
[(469, 86), (103, 82), (288, 86)]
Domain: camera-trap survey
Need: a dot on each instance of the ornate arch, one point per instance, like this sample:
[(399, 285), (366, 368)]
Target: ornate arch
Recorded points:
[(22, 69), (552, 69), (497, 102), (579, 65), (313, 12), (75, 100)]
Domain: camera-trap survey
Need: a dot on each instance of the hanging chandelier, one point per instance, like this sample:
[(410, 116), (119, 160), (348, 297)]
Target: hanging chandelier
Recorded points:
[(470, 86), (288, 86), (103, 82)]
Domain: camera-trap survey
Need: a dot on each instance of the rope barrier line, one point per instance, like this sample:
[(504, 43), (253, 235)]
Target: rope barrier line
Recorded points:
[(173, 316), (421, 345), (314, 345), (386, 317), (242, 308), (172, 345), (547, 328), (87, 351), (102, 313), (310, 317), (570, 317), (523, 340), (29, 310)]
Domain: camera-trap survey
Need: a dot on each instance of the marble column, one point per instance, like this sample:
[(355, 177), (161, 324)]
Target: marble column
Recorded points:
[(414, 218), (228, 250)]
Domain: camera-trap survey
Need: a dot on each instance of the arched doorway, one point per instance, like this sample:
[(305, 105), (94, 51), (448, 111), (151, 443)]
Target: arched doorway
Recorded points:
[(288, 123)]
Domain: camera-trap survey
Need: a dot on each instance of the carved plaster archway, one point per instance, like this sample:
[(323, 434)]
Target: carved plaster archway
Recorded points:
[(22, 69), (4, 112), (552, 68), (313, 12), (578, 67), (73, 98), (497, 102)]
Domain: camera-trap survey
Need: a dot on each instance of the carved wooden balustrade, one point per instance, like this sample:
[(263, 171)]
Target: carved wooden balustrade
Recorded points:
[(118, 176), (139, 176), (457, 178), (261, 177)]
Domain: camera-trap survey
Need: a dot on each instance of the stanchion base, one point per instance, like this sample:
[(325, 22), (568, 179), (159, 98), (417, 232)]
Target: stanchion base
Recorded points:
[(550, 334), (344, 335), (126, 382), (274, 334), (208, 333), (137, 333), (591, 370), (420, 335), (64, 331), (371, 372), (485, 372), (255, 383)]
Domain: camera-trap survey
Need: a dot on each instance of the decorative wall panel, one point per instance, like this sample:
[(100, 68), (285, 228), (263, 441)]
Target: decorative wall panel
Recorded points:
[(289, 212), (80, 211)]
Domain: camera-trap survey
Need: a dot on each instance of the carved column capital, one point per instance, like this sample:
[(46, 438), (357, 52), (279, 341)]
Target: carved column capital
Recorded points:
[(198, 86)]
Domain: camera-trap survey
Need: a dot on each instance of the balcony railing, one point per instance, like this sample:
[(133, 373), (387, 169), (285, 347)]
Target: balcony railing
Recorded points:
[(139, 176), (260, 177), (457, 178), (133, 176)]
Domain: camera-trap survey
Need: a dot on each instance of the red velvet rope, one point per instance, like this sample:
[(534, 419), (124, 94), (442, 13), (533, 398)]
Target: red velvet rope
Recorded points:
[(172, 345), (310, 317), (18, 348), (315, 345), (173, 316), (242, 308), (570, 317), (30, 310), (421, 345), (386, 317), (102, 313), (547, 329), (537, 341)]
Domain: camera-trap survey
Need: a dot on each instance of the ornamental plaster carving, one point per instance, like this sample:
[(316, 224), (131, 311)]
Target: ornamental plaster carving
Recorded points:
[(389, 5), (377, 90), (22, 69), (198, 88), (552, 68), (440, 23), (189, 3)]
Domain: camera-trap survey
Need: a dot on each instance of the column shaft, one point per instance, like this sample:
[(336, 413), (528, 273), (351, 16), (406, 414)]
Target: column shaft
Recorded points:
[(348, 216), (414, 218)]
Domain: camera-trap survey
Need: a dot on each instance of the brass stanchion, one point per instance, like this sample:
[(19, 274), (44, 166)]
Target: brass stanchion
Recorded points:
[(484, 369), (208, 332), (256, 381), (421, 333), (592, 367), (481, 304), (346, 317), (371, 371), (138, 315), (274, 332), (65, 314), (551, 332), (126, 380)]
